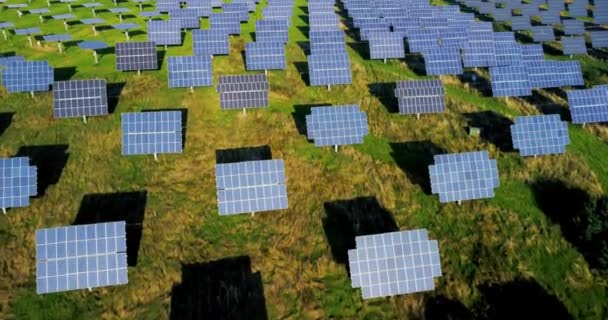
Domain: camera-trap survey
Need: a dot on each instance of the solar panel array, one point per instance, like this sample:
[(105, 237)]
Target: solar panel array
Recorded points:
[(193, 71), (152, 132), (18, 182), (265, 56), (589, 105), (251, 186), (385, 45), (440, 61), (540, 135), (243, 91), (136, 56), (164, 32), (599, 39), (210, 42), (329, 69), (479, 50), (81, 257), (80, 98), (553, 74), (543, 33), (272, 31), (27, 31), (464, 176), (24, 76), (394, 263), (337, 125), (510, 81), (186, 18), (6, 60), (228, 23), (600, 12), (420, 96), (574, 45), (57, 37), (573, 27)]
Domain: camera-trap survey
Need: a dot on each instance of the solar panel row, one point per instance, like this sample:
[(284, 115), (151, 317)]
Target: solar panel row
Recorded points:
[(420, 96), (337, 125)]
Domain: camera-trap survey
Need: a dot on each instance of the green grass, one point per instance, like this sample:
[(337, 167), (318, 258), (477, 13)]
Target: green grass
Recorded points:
[(493, 241)]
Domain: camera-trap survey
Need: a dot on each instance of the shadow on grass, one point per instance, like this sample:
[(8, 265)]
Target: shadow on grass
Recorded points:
[(223, 289), (300, 113), (414, 159), (415, 62), (184, 114), (442, 308), (385, 92), (302, 67), (243, 154), (114, 91), (50, 161), (121, 206), (361, 48), (495, 128), (5, 121), (346, 219), (65, 73), (481, 84)]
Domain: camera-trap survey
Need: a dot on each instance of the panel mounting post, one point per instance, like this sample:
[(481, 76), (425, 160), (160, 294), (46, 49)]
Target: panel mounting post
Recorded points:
[(336, 148), (60, 47), (94, 30), (127, 35), (95, 56), (253, 214), (155, 157), (41, 18), (84, 118), (29, 39), (192, 89), (4, 34), (418, 116), (65, 25), (4, 210), (244, 111), (32, 93)]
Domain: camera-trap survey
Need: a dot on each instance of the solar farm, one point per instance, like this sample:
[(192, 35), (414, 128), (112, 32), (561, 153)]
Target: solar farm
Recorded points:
[(304, 159)]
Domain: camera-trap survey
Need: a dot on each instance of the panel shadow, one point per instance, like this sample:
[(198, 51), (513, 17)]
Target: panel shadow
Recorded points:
[(414, 159), (114, 91), (302, 67), (6, 118), (346, 219), (243, 154), (300, 113), (121, 206), (442, 308), (50, 161), (65, 73), (495, 128), (385, 92), (223, 289)]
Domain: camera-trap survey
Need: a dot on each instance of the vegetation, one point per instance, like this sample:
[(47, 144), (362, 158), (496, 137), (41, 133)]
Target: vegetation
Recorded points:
[(538, 243)]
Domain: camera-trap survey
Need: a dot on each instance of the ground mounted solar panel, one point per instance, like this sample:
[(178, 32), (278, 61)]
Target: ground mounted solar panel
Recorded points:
[(192, 71), (479, 50), (187, 18), (574, 45), (532, 54), (520, 23), (510, 81), (599, 39), (167, 5), (600, 12), (210, 42), (386, 45), (464, 176), (508, 51), (243, 91), (136, 56), (227, 23), (152, 132), (81, 257), (554, 74), (421, 40), (336, 125), (540, 135), (265, 56), (440, 61), (542, 33), (251, 186), (574, 27), (550, 17), (165, 32), (238, 9), (327, 70), (578, 9), (272, 31), (19, 182), (589, 105), (420, 96), (80, 98), (6, 60), (394, 263), (27, 76)]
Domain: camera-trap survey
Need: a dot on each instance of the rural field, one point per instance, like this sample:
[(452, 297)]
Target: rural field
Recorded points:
[(537, 250)]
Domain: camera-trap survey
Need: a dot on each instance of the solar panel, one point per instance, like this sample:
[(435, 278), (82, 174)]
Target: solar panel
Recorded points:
[(125, 26), (394, 263), (27, 76), (574, 45), (27, 31), (81, 257), (228, 23), (540, 135), (194, 71), (238, 9), (243, 91), (578, 8), (149, 14), (510, 81), (589, 105), (167, 5), (464, 176), (554, 74), (420, 96), (119, 10), (421, 40), (210, 42), (57, 37), (152, 132), (532, 53), (550, 17), (600, 12), (6, 60), (336, 125), (508, 51), (323, 21), (19, 182), (92, 21), (187, 18), (271, 31), (136, 56), (574, 27), (440, 61), (80, 98), (164, 32), (92, 5), (479, 51), (65, 16), (543, 33), (251, 186), (16, 5), (39, 11), (599, 39), (520, 23), (92, 45), (326, 69), (6, 25), (265, 56), (386, 45)]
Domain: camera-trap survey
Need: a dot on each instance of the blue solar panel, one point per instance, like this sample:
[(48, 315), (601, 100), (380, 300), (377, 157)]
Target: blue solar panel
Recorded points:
[(27, 31), (125, 26), (92, 5), (80, 98), (92, 45), (420, 96), (574, 45), (164, 32), (510, 81), (27, 76), (540, 135), (326, 69), (324, 21), (599, 39), (336, 125), (187, 18), (210, 42), (18, 181), (251, 186), (39, 11), (554, 74), (327, 42), (589, 105), (578, 8), (394, 263), (16, 6), (265, 56), (508, 51), (167, 5), (440, 61), (420, 40), (550, 17), (65, 16), (195, 71), (238, 9), (243, 91), (228, 23), (532, 54), (479, 51), (283, 13), (81, 257), (92, 21), (6, 25), (464, 176), (6, 60), (149, 14), (520, 23), (600, 12), (136, 56), (386, 45), (57, 37), (151, 132), (542, 33), (573, 27), (272, 31)]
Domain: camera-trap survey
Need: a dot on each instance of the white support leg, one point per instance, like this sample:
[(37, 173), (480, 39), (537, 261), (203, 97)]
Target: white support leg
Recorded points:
[(95, 56), (94, 30), (418, 116), (155, 157), (192, 89), (84, 118), (4, 210), (336, 148), (41, 18), (60, 47), (65, 25), (32, 93), (127, 35), (29, 39), (4, 34)]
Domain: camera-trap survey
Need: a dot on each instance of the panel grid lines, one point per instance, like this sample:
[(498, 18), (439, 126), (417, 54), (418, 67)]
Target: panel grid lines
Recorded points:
[(18, 182), (540, 135), (151, 132), (79, 98), (336, 125)]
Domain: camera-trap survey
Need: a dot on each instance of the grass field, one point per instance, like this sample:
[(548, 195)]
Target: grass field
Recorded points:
[(509, 256)]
